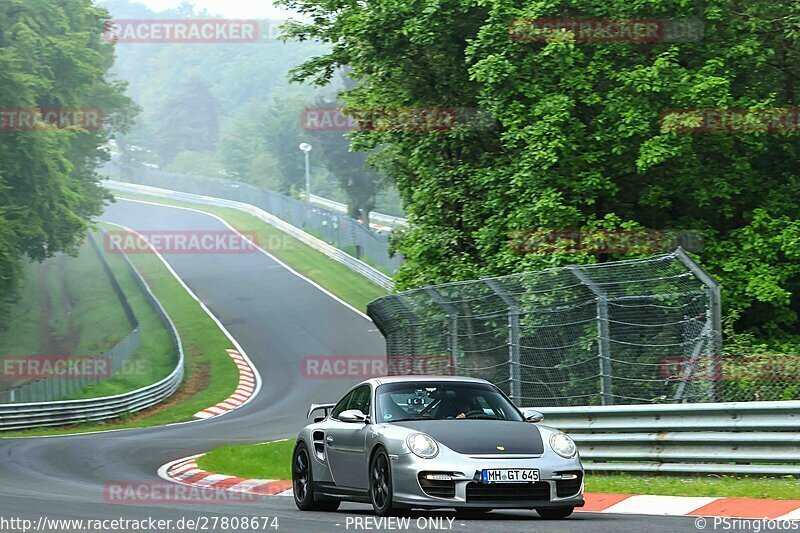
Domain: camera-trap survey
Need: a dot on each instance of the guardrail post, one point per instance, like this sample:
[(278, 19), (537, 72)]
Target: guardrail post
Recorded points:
[(513, 338), (452, 324), (603, 335)]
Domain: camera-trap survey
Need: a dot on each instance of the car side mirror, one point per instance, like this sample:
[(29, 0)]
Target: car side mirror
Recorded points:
[(353, 416), (532, 415)]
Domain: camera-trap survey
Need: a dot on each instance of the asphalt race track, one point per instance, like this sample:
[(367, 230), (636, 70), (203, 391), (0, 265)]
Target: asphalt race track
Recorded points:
[(278, 319)]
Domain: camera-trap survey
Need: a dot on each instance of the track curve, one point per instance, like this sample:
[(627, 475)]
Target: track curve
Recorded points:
[(278, 318)]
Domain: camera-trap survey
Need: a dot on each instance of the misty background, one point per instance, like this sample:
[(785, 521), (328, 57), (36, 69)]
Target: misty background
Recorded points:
[(228, 110)]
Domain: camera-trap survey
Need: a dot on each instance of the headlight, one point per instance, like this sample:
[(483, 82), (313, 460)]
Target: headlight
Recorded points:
[(422, 445), (563, 445)]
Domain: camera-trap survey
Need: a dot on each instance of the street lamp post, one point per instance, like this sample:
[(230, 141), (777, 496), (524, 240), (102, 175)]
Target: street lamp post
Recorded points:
[(306, 148)]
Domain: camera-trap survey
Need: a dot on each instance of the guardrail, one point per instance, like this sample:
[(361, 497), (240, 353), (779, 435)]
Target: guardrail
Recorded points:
[(18, 416), (333, 205), (61, 384), (356, 265), (722, 438), (339, 230)]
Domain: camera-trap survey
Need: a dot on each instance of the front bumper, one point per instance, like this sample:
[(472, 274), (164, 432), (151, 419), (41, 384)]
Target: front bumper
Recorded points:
[(552, 490)]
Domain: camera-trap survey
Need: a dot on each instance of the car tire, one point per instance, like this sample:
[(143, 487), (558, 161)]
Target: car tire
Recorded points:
[(381, 490), (555, 513), (303, 483)]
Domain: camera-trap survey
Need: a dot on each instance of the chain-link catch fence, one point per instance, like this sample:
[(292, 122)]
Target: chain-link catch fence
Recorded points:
[(635, 331)]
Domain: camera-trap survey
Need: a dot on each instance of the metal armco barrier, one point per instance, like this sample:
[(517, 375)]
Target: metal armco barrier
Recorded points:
[(19, 416), (356, 265), (337, 229), (722, 438), (60, 386), (375, 217)]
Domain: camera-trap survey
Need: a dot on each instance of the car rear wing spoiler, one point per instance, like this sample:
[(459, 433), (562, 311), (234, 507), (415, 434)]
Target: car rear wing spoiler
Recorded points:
[(317, 406)]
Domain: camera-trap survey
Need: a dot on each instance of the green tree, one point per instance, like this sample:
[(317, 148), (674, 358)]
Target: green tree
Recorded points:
[(188, 121), (260, 145), (52, 56), (578, 141), (359, 182)]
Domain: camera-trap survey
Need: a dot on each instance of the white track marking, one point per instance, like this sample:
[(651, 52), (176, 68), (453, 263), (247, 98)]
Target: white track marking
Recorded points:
[(203, 306), (659, 505), (255, 245), (794, 515), (211, 315)]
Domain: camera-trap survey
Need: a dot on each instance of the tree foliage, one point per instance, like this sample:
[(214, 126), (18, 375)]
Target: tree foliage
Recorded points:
[(52, 56), (578, 142)]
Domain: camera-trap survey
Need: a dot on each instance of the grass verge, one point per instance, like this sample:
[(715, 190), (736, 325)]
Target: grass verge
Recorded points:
[(91, 303), (272, 460), (210, 373), (66, 307), (333, 276), (716, 486), (154, 359)]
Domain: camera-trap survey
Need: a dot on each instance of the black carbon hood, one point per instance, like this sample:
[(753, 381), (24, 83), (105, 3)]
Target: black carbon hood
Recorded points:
[(473, 437)]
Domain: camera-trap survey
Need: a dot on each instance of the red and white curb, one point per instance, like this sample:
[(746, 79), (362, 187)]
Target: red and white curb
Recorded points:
[(186, 472), (692, 506), (249, 384)]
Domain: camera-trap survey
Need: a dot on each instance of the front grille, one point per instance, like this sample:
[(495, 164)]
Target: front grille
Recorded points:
[(569, 487), (508, 492), (437, 487)]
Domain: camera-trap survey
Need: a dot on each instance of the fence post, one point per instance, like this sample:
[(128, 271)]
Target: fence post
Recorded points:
[(698, 347), (603, 334), (513, 338), (452, 324), (715, 305), (412, 320)]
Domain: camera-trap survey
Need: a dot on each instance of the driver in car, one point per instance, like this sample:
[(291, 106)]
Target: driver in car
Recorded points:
[(461, 407)]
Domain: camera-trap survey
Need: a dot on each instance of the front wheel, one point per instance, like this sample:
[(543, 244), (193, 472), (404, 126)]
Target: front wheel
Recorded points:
[(303, 483), (555, 513), (380, 484)]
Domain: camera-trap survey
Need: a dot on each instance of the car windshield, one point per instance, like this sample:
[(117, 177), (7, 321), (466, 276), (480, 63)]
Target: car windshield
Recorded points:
[(442, 401)]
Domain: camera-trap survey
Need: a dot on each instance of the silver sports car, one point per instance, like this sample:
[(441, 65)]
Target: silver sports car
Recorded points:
[(434, 442)]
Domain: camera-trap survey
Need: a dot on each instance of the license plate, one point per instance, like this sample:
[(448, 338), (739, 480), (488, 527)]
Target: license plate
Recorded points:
[(524, 475)]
